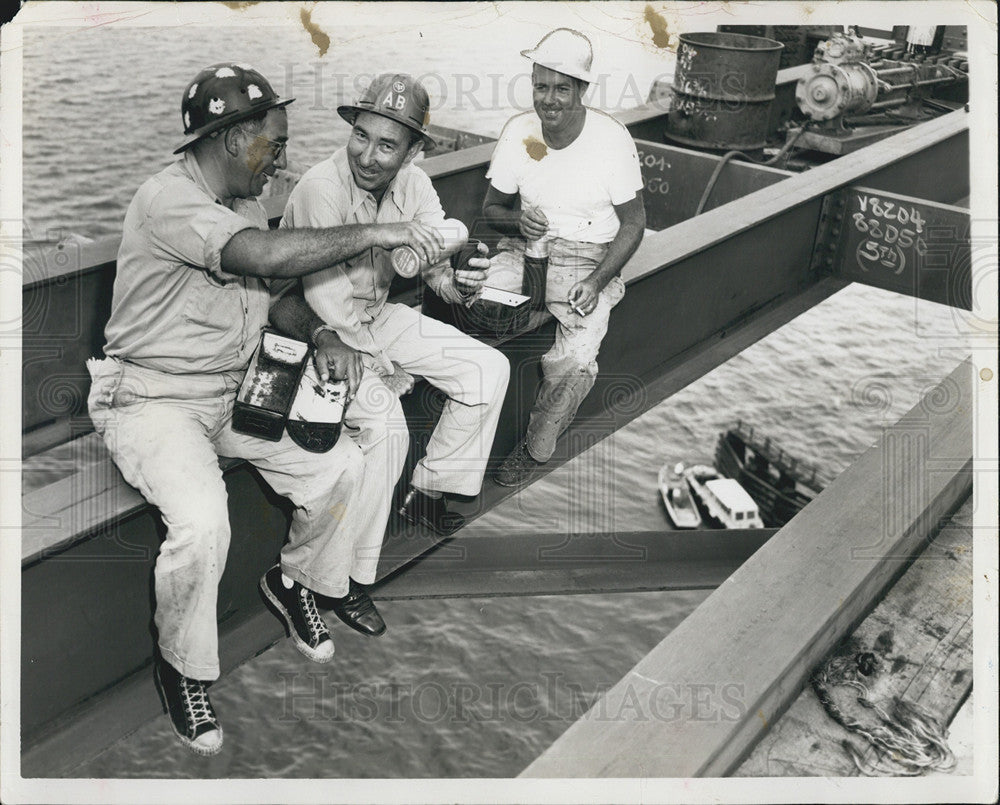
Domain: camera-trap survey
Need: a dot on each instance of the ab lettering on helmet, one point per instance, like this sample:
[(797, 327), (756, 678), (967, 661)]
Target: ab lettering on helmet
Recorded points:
[(394, 101)]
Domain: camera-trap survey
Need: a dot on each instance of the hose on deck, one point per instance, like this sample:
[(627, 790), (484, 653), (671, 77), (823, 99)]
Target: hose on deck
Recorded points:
[(730, 155)]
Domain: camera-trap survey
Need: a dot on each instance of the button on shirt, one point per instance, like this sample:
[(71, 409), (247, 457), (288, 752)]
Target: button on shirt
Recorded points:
[(173, 308), (354, 292)]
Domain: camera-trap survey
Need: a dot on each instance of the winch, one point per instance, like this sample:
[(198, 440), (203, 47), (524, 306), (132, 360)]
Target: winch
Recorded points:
[(841, 83), (849, 79)]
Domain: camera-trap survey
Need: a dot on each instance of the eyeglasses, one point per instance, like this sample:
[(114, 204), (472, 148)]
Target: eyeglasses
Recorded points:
[(277, 148)]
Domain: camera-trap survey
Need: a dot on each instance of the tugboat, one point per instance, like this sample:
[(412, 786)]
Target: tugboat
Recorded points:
[(681, 508), (779, 483), (723, 502)]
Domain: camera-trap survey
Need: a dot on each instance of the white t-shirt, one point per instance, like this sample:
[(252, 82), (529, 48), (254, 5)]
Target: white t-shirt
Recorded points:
[(574, 186)]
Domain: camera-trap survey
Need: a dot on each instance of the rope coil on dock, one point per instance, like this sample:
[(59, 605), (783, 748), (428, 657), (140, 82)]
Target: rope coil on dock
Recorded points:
[(909, 741)]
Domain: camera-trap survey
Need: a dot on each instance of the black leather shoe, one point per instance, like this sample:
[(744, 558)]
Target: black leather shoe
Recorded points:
[(421, 509), (358, 611)]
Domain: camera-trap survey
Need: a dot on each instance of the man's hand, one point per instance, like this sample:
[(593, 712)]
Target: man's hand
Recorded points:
[(583, 296), (337, 360), (400, 381), (425, 240), (533, 223), (469, 281)]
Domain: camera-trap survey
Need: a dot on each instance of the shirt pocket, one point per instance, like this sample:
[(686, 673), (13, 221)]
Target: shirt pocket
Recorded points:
[(212, 306)]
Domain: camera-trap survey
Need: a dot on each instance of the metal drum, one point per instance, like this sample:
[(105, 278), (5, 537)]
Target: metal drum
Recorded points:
[(723, 88)]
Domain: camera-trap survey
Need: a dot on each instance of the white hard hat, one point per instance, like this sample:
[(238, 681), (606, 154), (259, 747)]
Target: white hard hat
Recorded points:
[(566, 51)]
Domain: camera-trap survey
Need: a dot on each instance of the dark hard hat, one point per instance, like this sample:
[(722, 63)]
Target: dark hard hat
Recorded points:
[(221, 95), (397, 96)]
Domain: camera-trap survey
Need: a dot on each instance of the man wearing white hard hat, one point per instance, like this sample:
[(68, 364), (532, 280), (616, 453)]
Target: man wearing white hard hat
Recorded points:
[(374, 180), (576, 172)]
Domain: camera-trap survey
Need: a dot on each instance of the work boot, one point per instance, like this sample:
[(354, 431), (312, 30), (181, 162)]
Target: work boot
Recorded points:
[(421, 509), (297, 608), (190, 711), (358, 611), (518, 467)]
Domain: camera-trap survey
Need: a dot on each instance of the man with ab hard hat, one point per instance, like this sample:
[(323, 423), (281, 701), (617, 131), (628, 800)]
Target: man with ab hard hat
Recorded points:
[(374, 180), (576, 172), (191, 295)]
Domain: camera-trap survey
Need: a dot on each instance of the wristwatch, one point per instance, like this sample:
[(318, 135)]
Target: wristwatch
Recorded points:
[(315, 333)]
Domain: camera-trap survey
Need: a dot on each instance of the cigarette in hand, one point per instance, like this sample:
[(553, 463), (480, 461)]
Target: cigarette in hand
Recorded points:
[(576, 310)]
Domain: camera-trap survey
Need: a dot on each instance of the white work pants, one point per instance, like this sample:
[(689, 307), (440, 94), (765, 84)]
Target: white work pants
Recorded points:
[(165, 433), (472, 374)]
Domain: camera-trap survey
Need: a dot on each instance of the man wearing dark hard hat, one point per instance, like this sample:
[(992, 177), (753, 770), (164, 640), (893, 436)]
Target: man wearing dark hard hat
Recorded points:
[(191, 296), (576, 172), (373, 180)]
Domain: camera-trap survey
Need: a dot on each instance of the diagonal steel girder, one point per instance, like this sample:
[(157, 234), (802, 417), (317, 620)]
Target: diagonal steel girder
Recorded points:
[(702, 289), (558, 563)]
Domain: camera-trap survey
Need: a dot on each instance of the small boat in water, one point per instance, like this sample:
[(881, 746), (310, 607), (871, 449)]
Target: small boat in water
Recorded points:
[(723, 502), (681, 508), (780, 483)]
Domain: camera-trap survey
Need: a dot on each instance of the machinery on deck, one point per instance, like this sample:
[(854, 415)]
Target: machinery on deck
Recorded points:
[(854, 92), (819, 88)]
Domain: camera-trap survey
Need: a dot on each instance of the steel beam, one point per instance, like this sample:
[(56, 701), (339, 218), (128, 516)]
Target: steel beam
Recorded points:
[(66, 295), (468, 566), (907, 245), (700, 700), (675, 177), (558, 563), (699, 292)]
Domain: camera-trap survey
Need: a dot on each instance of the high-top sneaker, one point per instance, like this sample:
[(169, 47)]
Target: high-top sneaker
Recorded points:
[(190, 711), (297, 608)]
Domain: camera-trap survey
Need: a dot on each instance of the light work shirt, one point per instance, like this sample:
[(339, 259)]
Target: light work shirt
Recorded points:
[(353, 293), (577, 187), (173, 308)]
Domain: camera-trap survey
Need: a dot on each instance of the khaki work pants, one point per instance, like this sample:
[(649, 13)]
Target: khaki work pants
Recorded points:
[(165, 433)]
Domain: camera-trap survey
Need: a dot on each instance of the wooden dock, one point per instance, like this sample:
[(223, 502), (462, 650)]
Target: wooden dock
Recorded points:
[(921, 633)]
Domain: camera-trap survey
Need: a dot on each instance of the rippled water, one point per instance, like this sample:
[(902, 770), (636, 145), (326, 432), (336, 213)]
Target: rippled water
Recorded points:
[(473, 687), (102, 105), (479, 687)]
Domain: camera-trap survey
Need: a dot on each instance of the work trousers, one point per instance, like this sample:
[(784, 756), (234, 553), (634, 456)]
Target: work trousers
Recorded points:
[(165, 432), (569, 368), (472, 374)]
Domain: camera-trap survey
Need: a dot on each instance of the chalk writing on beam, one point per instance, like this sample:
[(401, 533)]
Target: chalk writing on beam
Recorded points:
[(892, 232), (654, 166)]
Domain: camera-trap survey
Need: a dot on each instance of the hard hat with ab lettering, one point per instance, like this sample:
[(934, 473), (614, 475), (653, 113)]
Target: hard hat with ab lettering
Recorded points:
[(397, 96), (566, 51), (221, 95)]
